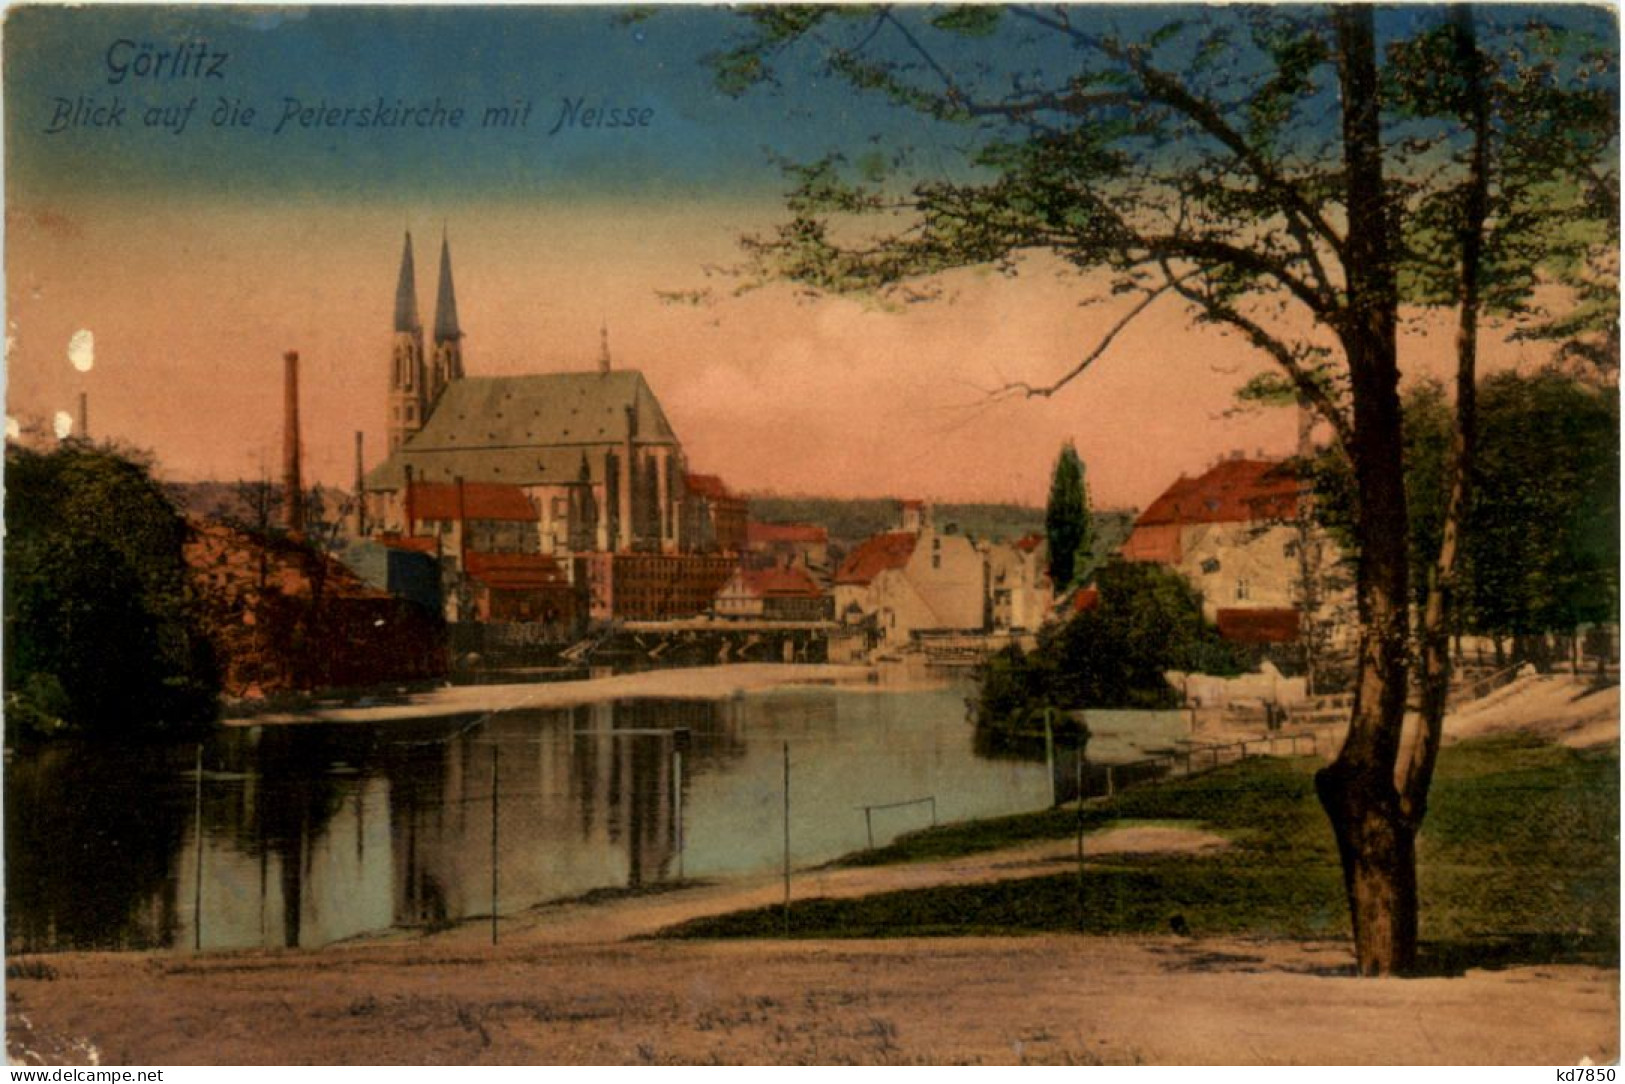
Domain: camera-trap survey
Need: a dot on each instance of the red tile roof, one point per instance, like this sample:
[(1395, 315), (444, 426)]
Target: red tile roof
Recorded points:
[(1258, 626), (780, 583), (1234, 491), (766, 534), (481, 500), (706, 485), (876, 555), (415, 543), (1085, 599), (1030, 543), (515, 571)]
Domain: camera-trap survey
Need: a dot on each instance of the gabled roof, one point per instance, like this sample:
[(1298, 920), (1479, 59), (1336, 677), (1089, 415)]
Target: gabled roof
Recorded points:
[(1234, 491), (514, 571), (527, 430), (779, 583), (480, 500), (879, 554), (766, 534), (708, 486)]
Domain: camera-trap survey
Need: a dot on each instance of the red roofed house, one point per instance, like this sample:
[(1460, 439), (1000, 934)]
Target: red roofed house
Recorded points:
[(520, 587), (787, 545), (1233, 533), (461, 517), (913, 580), (1020, 593), (773, 594)]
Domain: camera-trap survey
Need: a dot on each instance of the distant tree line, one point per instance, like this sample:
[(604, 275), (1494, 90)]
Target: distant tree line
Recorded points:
[(1540, 544)]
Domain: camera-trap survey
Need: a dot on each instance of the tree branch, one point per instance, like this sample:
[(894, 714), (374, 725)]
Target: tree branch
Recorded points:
[(1313, 391), (1046, 390)]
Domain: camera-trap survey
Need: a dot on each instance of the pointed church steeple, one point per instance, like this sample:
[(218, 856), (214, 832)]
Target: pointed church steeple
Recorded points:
[(445, 308), (448, 333), (406, 292), (407, 373)]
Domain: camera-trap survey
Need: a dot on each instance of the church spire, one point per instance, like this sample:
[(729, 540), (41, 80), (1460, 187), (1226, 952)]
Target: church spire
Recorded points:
[(445, 309), (406, 292)]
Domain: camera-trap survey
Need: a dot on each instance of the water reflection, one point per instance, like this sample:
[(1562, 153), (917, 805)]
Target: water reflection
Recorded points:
[(312, 834)]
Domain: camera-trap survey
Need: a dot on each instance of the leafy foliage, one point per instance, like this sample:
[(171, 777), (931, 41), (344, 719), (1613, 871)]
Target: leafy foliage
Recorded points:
[(1066, 522), (101, 635), (1541, 542), (1148, 621)]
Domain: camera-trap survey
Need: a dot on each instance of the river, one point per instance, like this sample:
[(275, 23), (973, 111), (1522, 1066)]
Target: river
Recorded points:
[(306, 835)]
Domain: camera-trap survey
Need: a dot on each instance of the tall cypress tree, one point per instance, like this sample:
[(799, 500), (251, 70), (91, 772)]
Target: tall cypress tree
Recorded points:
[(1066, 520)]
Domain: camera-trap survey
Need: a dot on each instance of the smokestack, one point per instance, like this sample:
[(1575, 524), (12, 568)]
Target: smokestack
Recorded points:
[(360, 491), (408, 502), (84, 416), (293, 490)]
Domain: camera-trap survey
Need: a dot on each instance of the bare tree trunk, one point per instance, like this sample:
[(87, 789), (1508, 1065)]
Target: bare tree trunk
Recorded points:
[(1374, 839), (1439, 613)]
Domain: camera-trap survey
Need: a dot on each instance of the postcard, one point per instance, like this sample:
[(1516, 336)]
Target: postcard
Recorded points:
[(993, 534)]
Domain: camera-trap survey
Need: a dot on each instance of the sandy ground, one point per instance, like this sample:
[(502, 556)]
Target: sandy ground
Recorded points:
[(1050, 999), (565, 987), (699, 683), (640, 915), (1558, 707)]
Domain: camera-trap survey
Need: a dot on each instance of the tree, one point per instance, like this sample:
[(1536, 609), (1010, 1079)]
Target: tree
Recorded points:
[(101, 631), (1269, 171), (1066, 521), (1147, 621)]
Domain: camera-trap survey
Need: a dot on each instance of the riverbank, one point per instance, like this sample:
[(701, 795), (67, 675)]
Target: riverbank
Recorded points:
[(1519, 873), (699, 683)]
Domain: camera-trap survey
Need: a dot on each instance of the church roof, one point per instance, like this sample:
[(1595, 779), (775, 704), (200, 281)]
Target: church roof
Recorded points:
[(527, 430), (406, 291), (445, 309)]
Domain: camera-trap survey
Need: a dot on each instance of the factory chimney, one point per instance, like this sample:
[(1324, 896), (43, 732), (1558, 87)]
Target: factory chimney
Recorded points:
[(360, 491), (293, 490)]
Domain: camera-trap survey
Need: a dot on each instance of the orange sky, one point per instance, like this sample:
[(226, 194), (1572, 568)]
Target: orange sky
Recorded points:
[(192, 305)]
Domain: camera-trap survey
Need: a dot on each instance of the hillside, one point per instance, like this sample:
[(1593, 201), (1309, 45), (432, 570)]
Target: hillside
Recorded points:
[(851, 520)]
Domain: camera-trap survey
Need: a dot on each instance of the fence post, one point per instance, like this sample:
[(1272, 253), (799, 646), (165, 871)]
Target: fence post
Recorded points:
[(869, 825), (677, 805), (197, 883), (933, 810), (1049, 757), (1111, 786), (493, 843), (787, 839)]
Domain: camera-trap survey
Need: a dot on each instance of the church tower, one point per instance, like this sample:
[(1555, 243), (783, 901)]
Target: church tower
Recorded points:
[(448, 335), (408, 401)]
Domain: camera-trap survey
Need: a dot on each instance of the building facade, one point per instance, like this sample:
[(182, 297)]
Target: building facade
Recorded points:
[(586, 462)]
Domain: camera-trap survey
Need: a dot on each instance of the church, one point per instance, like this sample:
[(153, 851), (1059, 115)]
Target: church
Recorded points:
[(591, 452)]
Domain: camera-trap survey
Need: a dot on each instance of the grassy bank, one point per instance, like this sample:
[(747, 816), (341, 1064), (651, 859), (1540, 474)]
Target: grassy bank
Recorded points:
[(1519, 861)]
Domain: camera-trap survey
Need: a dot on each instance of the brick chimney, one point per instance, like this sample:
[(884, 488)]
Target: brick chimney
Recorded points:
[(360, 491), (293, 490)]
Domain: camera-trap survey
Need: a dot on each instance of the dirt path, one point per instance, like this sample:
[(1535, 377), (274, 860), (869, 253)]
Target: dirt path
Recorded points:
[(605, 920), (1048, 999)]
